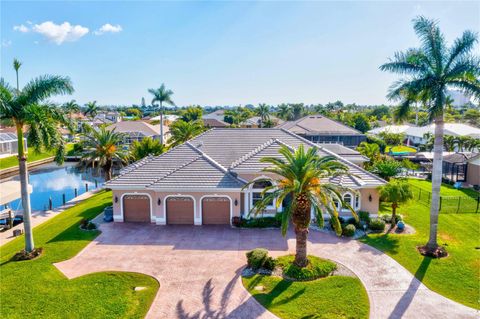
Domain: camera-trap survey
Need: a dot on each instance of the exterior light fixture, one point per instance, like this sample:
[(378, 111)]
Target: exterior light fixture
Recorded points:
[(369, 197), (236, 202), (116, 199), (159, 202)]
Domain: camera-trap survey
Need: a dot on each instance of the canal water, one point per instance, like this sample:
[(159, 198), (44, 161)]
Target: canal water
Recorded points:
[(52, 181)]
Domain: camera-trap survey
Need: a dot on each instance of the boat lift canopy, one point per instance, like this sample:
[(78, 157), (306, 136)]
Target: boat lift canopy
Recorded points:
[(10, 191)]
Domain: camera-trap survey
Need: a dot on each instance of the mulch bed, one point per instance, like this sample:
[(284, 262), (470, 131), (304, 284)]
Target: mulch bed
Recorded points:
[(439, 252), (23, 255)]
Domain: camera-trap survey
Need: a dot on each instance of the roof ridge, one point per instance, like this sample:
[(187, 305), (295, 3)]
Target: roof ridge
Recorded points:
[(253, 152), (175, 170)]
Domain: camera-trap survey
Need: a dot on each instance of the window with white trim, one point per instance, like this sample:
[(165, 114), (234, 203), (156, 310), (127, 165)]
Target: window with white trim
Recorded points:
[(347, 198), (357, 201), (257, 189)]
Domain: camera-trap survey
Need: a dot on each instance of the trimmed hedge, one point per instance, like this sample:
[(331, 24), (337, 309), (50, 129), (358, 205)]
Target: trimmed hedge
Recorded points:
[(316, 268), (256, 258), (377, 224)]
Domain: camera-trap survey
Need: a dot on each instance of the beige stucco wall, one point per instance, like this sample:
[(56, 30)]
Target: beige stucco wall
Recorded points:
[(370, 206), (473, 173), (158, 211)]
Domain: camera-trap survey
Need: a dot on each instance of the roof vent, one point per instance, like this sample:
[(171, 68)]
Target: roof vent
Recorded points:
[(200, 144)]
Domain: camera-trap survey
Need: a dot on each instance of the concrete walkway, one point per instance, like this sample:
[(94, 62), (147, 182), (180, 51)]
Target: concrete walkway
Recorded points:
[(41, 216), (199, 270)]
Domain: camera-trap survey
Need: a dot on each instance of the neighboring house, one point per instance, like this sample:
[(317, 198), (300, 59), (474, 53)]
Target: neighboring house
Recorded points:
[(168, 118), (473, 171), (455, 166), (215, 119), (9, 144), (138, 130), (349, 154), (109, 117), (202, 181), (321, 129), (414, 135)]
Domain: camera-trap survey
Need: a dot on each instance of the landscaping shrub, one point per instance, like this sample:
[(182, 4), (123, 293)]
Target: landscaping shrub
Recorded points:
[(91, 226), (269, 263), (352, 221), (349, 230), (256, 258), (377, 224), (260, 222), (365, 216), (388, 218), (316, 268), (236, 221)]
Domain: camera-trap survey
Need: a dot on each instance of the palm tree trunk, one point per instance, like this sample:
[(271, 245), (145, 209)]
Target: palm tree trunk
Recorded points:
[(301, 247), (394, 215), (436, 181), (161, 124), (23, 170), (108, 169)]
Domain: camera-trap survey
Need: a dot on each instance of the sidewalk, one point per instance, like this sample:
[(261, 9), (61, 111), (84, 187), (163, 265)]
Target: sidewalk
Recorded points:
[(39, 217)]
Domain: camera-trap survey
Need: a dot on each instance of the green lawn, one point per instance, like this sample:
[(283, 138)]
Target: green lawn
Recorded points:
[(445, 190), (33, 156), (400, 149), (457, 276), (36, 289), (329, 298)]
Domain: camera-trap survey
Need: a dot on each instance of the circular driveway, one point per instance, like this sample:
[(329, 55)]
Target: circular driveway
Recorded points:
[(199, 268)]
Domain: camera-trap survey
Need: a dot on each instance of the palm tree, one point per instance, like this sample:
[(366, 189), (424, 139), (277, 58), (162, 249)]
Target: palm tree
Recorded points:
[(182, 131), (145, 147), (284, 112), (41, 122), (449, 142), (395, 192), (91, 109), (263, 112), (16, 66), (370, 150), (300, 176), (429, 71), (103, 146), (162, 95), (473, 144), (70, 108), (462, 142), (298, 109)]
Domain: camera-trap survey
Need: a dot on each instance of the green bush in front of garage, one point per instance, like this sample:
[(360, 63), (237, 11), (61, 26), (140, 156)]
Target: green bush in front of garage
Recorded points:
[(262, 222)]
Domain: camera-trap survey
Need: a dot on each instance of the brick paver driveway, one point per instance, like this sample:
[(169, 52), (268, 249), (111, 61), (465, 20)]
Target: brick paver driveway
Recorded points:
[(199, 270)]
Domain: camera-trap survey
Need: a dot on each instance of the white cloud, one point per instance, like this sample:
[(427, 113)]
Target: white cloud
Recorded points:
[(106, 28), (59, 33), (21, 28), (6, 43)]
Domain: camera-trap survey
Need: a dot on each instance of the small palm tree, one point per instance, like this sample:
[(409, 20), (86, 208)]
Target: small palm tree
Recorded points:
[(162, 95), (91, 109), (182, 131), (103, 146), (263, 112), (449, 142), (24, 107), (430, 70), (370, 150), (145, 147), (300, 176), (395, 192), (284, 112)]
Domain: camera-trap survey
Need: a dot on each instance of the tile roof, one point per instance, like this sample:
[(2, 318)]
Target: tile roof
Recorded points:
[(318, 125), (141, 127), (214, 158)]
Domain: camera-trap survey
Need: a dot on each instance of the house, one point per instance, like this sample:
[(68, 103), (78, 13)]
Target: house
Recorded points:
[(349, 154), (9, 144), (109, 117), (202, 181), (138, 130), (454, 166), (215, 119), (321, 129), (473, 171), (415, 135), (255, 122)]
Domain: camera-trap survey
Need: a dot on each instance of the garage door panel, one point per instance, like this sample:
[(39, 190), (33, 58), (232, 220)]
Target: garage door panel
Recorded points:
[(180, 211), (136, 208), (216, 211)]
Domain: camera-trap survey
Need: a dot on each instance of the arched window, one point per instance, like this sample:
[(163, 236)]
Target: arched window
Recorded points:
[(257, 188), (336, 203), (347, 198)]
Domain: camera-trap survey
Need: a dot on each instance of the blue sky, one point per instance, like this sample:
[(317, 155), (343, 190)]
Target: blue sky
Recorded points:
[(219, 53)]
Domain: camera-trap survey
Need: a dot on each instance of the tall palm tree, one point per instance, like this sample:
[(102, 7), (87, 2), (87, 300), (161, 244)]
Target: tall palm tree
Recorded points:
[(263, 112), (429, 70), (24, 107), (16, 66), (182, 131), (145, 147), (395, 192), (162, 95), (91, 109), (300, 176), (71, 107), (284, 112), (103, 146)]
